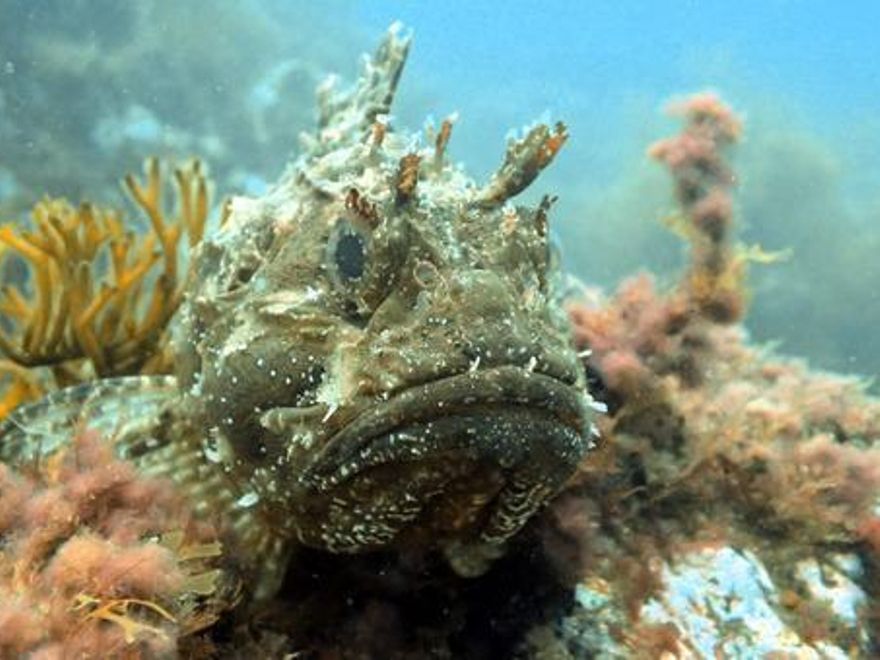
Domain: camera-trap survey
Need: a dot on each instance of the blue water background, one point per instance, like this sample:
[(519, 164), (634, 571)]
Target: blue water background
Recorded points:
[(106, 84), (805, 75), (593, 63)]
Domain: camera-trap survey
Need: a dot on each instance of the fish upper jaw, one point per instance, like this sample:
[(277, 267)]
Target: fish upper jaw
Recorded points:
[(490, 393)]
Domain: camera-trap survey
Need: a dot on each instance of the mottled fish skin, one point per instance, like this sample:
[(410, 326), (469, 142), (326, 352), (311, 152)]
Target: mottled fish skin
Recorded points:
[(370, 354), (113, 406)]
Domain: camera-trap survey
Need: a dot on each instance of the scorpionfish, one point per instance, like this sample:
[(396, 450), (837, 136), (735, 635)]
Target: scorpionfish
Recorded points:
[(371, 355)]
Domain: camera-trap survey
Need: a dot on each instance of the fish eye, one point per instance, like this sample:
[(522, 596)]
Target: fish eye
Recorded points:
[(348, 253)]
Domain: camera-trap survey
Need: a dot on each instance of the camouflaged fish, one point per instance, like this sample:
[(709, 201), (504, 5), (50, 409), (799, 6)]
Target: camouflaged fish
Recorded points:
[(371, 355)]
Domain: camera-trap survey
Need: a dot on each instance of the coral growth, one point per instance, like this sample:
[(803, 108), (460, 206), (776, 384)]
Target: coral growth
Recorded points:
[(99, 293), (21, 385), (641, 336), (98, 561), (710, 440), (703, 181)]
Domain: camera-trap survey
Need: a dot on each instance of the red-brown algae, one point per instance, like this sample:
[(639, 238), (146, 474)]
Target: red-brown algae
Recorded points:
[(98, 561), (762, 448)]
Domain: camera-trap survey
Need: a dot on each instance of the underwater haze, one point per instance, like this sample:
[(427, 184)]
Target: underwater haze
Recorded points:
[(806, 76), (439, 329), (88, 88)]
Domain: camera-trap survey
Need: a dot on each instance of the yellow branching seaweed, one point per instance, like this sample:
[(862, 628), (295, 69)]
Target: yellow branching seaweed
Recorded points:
[(118, 611), (98, 290), (20, 385)]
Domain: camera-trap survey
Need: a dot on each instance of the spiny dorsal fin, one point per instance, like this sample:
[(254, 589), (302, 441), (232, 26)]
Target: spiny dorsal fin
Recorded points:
[(345, 116), (523, 161)]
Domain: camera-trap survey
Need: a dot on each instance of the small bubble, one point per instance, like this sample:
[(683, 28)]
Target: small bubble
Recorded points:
[(9, 67)]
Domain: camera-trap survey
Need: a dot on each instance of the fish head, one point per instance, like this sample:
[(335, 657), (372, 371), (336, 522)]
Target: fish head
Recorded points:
[(378, 341)]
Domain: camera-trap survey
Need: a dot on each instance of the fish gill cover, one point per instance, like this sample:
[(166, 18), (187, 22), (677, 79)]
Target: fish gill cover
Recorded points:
[(353, 419)]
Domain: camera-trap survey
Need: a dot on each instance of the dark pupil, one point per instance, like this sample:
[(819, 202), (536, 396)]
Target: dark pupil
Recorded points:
[(350, 256)]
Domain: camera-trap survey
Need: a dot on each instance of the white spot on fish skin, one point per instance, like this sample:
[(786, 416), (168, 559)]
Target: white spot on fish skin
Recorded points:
[(247, 500), (211, 453), (332, 409), (311, 295)]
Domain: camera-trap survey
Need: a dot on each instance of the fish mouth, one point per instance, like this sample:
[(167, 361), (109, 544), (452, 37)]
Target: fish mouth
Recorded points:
[(520, 421)]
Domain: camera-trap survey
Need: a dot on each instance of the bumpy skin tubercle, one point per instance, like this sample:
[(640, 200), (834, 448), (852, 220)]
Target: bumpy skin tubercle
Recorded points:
[(372, 354)]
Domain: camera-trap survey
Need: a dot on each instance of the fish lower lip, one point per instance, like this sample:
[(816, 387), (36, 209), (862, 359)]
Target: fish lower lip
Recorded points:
[(508, 393)]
